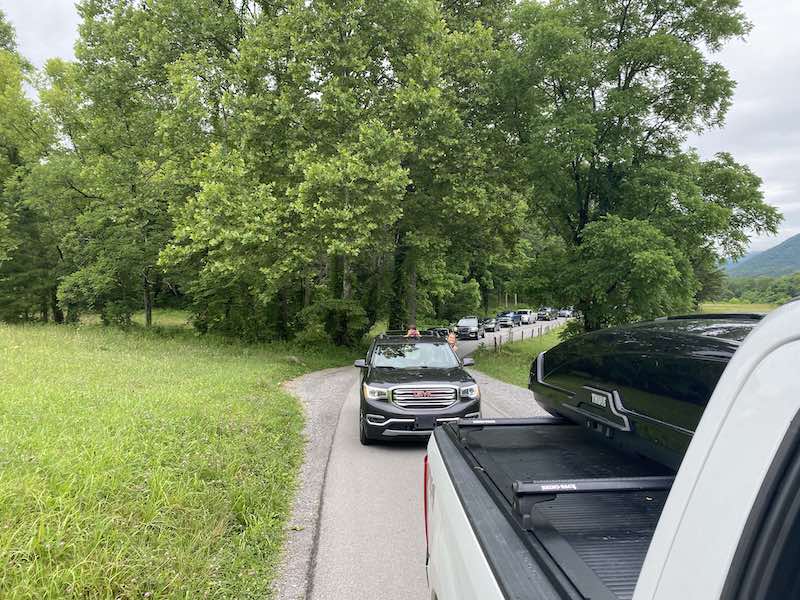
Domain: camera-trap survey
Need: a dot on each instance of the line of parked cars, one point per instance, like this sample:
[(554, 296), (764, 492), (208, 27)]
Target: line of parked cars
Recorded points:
[(473, 327)]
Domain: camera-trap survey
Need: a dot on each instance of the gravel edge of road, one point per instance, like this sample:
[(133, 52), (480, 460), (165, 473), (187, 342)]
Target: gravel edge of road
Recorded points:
[(322, 395)]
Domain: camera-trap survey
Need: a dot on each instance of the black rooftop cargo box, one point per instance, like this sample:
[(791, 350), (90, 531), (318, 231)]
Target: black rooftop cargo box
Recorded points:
[(642, 386)]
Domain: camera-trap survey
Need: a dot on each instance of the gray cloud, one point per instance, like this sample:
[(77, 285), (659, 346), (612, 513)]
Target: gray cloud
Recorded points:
[(763, 127), (45, 28)]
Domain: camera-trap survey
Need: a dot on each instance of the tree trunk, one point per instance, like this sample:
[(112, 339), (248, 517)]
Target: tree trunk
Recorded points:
[(411, 293), (591, 320), (334, 275), (58, 314), (347, 282), (45, 312), (283, 295), (307, 287), (396, 295), (148, 303)]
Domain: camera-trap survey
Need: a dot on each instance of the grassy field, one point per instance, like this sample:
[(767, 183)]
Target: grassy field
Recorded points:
[(163, 318), (726, 307), (142, 465), (512, 362)]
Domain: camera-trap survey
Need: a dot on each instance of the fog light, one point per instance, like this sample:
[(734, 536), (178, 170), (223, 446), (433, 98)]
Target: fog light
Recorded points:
[(375, 419)]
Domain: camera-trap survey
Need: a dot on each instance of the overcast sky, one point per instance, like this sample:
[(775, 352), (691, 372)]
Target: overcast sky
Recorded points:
[(763, 128)]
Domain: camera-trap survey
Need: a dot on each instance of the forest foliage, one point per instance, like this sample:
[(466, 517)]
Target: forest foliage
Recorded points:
[(309, 168), (760, 290)]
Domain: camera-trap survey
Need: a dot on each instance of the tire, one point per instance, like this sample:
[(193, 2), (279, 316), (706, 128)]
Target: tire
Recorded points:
[(362, 433)]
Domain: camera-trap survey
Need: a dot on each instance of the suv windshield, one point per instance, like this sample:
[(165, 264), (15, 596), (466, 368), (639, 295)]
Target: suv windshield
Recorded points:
[(468, 323), (415, 356)]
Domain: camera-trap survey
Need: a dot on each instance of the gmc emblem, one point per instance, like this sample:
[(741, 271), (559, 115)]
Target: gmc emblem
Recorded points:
[(423, 394)]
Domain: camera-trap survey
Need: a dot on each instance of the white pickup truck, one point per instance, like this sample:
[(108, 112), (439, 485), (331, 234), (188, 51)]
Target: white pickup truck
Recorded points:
[(542, 509)]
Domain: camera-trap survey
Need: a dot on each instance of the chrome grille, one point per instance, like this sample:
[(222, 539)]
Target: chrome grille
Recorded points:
[(422, 398)]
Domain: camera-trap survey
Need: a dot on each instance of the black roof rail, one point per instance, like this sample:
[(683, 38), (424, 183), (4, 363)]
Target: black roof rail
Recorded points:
[(434, 332), (597, 484), (402, 334), (393, 332), (480, 422), (527, 494)]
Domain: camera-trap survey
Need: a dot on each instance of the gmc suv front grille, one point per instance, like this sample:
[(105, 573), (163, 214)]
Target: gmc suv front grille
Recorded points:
[(422, 398)]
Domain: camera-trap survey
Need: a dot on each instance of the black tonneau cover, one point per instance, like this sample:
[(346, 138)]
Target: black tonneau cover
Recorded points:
[(576, 502)]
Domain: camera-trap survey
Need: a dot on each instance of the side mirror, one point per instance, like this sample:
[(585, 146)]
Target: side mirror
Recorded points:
[(360, 363), (468, 362)]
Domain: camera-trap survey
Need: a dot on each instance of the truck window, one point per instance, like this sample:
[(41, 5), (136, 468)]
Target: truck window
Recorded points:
[(765, 564)]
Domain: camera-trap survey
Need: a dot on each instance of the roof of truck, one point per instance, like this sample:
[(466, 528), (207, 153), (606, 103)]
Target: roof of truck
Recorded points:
[(732, 328)]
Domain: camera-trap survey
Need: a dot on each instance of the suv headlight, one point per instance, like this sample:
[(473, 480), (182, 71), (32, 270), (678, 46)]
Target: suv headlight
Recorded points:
[(473, 329), (375, 393), (471, 391)]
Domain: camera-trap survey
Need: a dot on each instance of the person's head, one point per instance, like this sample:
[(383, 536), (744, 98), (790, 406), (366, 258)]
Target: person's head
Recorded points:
[(451, 338), (413, 326)]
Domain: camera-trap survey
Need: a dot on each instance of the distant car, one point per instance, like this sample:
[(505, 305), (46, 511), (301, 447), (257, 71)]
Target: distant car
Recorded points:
[(470, 328), (527, 316), (490, 324), (438, 331), (565, 313), (547, 313), (509, 319)]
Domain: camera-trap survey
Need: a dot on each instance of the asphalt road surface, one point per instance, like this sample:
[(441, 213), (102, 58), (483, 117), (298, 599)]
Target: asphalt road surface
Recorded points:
[(466, 347), (371, 541)]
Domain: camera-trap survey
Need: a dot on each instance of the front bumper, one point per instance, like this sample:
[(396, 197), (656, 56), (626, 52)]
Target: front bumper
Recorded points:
[(384, 419), (467, 335)]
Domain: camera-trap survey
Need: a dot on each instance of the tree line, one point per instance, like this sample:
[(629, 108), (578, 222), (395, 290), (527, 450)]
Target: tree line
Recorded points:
[(309, 168), (759, 290)]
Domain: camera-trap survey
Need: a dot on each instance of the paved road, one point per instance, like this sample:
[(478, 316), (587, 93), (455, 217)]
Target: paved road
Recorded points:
[(371, 534), (466, 347)]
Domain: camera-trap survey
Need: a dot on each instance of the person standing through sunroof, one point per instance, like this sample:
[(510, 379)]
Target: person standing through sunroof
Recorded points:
[(451, 339)]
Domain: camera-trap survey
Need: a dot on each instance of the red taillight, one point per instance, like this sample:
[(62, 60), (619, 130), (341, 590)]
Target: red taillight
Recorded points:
[(425, 476)]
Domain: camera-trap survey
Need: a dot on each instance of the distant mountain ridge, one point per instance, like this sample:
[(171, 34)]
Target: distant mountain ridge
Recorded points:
[(783, 259)]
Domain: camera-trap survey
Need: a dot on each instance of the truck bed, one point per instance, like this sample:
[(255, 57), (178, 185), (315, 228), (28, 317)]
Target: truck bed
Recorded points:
[(597, 527)]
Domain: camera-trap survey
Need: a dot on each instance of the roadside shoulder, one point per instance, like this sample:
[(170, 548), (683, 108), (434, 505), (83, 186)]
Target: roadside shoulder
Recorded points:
[(322, 394), (501, 399)]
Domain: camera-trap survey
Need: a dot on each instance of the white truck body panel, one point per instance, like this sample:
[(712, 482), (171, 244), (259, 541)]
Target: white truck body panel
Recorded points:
[(726, 463), (457, 567)]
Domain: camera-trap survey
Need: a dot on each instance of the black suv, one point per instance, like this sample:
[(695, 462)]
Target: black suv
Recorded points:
[(411, 384), (546, 313), (470, 328)]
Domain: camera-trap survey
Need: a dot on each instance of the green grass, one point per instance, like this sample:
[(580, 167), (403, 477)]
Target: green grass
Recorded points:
[(139, 465), (163, 318), (727, 307), (512, 362)]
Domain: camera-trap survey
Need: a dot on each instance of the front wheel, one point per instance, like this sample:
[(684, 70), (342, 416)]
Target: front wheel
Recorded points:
[(362, 432)]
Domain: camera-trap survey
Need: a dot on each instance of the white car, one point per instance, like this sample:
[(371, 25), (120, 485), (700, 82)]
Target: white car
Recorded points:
[(527, 316)]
